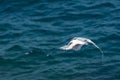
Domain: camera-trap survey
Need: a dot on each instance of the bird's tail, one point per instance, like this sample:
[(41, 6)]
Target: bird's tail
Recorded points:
[(95, 45)]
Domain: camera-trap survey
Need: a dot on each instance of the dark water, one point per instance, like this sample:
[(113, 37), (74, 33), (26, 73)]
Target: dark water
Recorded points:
[(40, 27)]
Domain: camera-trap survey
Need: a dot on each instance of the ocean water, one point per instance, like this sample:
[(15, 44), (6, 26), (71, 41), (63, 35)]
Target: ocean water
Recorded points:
[(39, 27)]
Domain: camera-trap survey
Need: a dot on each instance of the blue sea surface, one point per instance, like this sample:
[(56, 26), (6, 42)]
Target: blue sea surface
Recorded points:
[(31, 32)]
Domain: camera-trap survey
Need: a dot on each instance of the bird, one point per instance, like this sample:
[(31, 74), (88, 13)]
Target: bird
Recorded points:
[(77, 42)]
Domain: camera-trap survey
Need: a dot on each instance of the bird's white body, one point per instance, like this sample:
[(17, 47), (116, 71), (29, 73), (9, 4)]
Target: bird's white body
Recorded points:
[(77, 42)]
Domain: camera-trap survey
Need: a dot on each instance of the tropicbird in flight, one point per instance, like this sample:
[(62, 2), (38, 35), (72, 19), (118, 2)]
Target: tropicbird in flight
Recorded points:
[(77, 42)]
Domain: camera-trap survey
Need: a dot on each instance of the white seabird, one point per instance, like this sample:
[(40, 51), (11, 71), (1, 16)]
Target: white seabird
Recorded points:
[(77, 42)]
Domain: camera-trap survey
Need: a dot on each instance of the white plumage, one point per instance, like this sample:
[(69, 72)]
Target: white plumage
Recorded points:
[(77, 42)]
